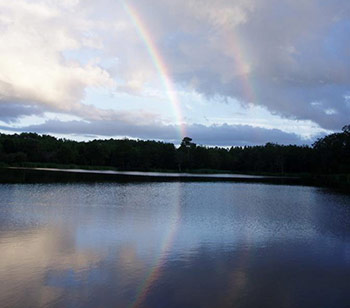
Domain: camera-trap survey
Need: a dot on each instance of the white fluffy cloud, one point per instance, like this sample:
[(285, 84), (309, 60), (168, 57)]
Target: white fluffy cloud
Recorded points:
[(34, 34)]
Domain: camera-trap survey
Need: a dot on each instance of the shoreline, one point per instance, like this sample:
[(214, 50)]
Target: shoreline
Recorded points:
[(24, 175), (32, 175)]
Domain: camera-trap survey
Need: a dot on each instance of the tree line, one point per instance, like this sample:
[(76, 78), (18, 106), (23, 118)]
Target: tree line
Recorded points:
[(330, 154)]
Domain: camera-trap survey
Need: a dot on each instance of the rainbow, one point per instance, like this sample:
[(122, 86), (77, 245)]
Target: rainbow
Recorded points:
[(162, 70), (248, 95), (241, 65), (167, 243), (159, 64)]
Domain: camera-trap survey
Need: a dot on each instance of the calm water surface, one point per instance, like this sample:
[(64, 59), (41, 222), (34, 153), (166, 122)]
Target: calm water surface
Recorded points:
[(173, 245)]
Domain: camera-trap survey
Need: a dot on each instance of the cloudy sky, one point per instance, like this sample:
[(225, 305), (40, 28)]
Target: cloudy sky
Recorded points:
[(224, 72)]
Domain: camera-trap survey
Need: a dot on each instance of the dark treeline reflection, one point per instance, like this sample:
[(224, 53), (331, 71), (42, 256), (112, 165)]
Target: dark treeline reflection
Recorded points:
[(330, 154)]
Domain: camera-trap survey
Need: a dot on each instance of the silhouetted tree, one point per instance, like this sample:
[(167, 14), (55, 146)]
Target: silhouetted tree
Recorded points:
[(330, 154)]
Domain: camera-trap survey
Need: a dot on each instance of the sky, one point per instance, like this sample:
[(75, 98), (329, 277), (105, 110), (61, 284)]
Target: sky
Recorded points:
[(224, 72)]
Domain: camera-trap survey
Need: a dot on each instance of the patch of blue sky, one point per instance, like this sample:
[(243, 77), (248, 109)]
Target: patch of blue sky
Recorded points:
[(150, 101), (198, 109), (85, 56), (334, 42)]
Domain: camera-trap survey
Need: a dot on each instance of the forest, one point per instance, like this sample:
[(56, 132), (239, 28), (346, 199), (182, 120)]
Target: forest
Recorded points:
[(328, 155)]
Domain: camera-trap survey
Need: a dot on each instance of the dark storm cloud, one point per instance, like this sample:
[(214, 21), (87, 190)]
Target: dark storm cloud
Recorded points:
[(11, 112), (224, 135), (285, 55), (241, 135)]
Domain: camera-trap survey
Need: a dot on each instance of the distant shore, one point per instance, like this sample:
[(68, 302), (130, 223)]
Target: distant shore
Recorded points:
[(34, 175), (47, 175)]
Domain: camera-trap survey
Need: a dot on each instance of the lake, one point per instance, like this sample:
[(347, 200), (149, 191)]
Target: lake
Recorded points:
[(173, 244)]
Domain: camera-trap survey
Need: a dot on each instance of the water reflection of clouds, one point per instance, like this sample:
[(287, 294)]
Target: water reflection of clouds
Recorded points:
[(68, 256), (49, 269), (25, 257), (155, 244)]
